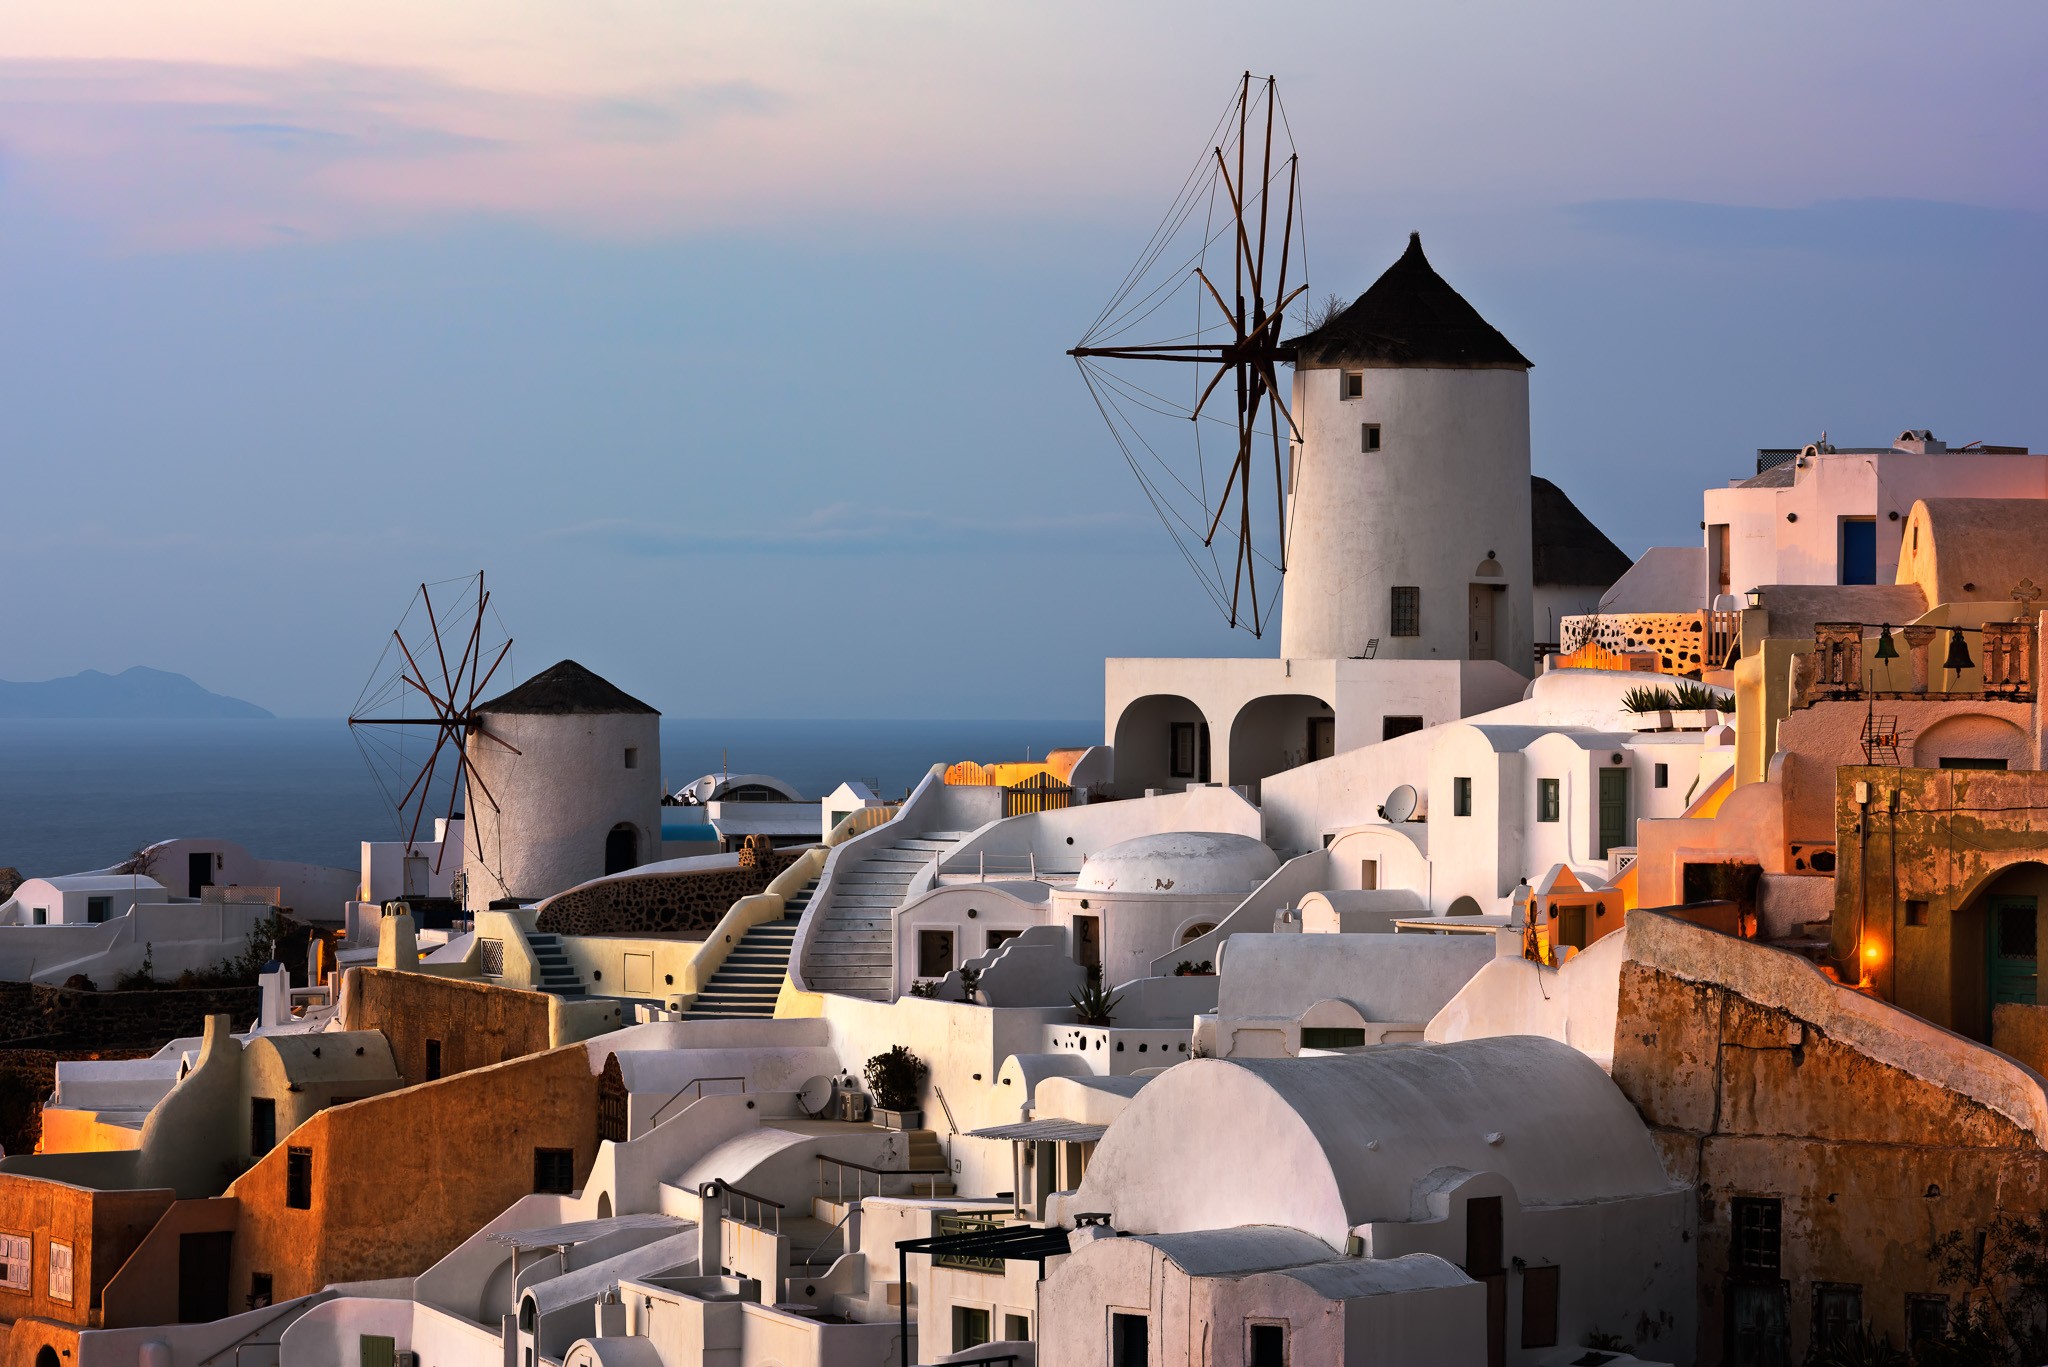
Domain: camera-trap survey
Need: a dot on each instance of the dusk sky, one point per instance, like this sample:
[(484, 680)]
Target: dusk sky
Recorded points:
[(729, 340)]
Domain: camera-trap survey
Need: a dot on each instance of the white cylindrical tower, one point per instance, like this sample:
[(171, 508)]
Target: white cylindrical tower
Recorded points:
[(1409, 516), (574, 765)]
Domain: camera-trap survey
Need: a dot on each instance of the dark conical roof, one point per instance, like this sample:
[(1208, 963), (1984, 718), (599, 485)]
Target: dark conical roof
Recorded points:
[(1567, 548), (1410, 317), (566, 689)]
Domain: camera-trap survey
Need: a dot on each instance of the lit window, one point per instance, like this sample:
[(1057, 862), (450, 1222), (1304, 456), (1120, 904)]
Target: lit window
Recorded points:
[(1546, 799), (16, 1250), (1407, 610), (1368, 437), (1461, 797), (1354, 384)]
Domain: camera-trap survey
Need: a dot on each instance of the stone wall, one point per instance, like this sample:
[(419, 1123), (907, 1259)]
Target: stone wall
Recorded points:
[(36, 1015), (1681, 640), (474, 1024), (686, 903), (1773, 1096)]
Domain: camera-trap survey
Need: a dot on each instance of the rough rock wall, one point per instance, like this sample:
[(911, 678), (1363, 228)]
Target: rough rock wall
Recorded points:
[(1869, 1163), (689, 903)]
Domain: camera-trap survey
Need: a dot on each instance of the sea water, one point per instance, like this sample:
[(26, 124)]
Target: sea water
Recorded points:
[(78, 795)]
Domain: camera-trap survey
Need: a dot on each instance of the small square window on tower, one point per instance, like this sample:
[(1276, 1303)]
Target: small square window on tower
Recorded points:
[(1354, 384), (1368, 437), (632, 757)]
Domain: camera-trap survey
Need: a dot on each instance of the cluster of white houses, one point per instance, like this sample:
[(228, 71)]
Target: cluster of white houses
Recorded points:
[(1504, 973)]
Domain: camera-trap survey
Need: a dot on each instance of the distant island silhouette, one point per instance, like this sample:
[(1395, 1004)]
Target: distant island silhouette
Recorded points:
[(139, 692)]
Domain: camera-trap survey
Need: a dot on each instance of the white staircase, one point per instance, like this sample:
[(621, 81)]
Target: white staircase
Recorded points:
[(854, 952)]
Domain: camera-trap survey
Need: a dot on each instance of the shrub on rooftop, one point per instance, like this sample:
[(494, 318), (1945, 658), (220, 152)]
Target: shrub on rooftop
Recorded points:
[(896, 1079)]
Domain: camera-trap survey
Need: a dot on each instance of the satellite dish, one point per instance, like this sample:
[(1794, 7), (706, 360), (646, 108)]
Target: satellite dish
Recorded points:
[(815, 1096), (1400, 804)]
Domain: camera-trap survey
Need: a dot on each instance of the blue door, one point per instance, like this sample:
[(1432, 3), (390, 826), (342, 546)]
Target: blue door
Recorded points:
[(1859, 552)]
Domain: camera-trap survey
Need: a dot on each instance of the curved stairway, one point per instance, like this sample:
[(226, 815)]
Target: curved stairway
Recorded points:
[(748, 983), (854, 953)]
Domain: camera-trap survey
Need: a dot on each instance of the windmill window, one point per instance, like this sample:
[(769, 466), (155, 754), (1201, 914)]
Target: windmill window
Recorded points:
[(1368, 437), (1354, 384), (1407, 610), (632, 757)]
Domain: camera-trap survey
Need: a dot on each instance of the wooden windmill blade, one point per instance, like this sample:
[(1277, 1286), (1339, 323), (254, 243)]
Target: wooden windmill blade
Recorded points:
[(1238, 337), (417, 684)]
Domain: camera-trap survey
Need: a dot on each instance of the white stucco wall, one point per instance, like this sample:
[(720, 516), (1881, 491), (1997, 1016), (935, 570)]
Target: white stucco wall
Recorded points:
[(1448, 489), (558, 798), (1792, 535)]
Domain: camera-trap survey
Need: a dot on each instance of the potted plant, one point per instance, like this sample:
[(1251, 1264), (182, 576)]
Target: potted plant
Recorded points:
[(895, 1080), (1651, 707), (1697, 707)]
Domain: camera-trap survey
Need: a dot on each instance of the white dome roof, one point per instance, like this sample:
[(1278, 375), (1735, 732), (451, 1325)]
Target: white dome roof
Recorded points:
[(1194, 863)]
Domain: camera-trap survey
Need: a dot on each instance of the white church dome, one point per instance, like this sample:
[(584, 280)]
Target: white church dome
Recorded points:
[(1195, 863)]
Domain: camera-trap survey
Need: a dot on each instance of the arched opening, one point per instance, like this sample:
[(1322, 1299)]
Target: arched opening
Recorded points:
[(1196, 931), (1971, 741), (1464, 906), (1162, 741), (1990, 955), (46, 1356), (621, 849), (1276, 733), (604, 1205), (529, 1316)]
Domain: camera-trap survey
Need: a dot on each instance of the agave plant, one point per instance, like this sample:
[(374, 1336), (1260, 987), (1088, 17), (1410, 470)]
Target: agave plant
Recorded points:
[(1094, 1005), (1697, 697), (1640, 700)]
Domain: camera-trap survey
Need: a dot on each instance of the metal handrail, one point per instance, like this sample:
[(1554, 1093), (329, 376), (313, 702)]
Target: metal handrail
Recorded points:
[(859, 1184), (698, 1083), (296, 1306), (747, 1197), (827, 1239), (952, 1126)]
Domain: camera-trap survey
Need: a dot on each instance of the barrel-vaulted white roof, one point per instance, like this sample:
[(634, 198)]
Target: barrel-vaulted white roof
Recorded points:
[(1191, 863), (1328, 1143)]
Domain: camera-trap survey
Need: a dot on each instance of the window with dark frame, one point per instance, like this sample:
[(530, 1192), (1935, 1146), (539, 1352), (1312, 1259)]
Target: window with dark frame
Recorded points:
[(1354, 384), (1837, 1313), (1391, 727), (1926, 1318), (1368, 438), (1461, 797), (260, 1293), (1539, 1307), (970, 1327), (1661, 776), (1757, 1235), (262, 1125), (1129, 1339), (934, 953), (98, 909), (554, 1171), (1407, 610), (1332, 1037), (298, 1178), (1546, 799), (1265, 1345), (1016, 1328)]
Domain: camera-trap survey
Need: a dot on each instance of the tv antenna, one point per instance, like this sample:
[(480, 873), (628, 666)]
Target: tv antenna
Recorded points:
[(1243, 199)]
